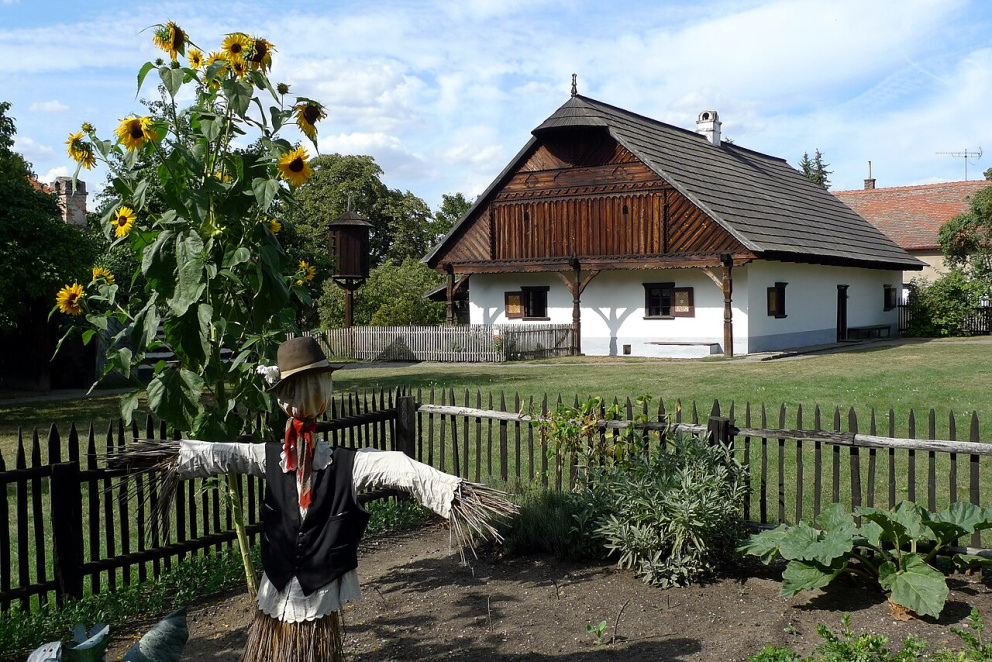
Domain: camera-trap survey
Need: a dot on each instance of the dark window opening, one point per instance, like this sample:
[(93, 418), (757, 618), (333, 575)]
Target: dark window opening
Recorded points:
[(658, 300), (776, 300), (528, 303), (891, 298)]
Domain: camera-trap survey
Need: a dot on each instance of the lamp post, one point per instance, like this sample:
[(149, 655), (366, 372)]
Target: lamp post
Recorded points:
[(348, 246)]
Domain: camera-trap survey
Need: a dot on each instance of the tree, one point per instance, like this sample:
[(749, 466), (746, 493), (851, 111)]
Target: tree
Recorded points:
[(966, 239), (392, 296), (815, 170), (41, 252), (452, 208)]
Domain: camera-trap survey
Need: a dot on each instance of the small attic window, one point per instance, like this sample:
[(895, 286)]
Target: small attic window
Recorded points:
[(526, 215), (626, 210)]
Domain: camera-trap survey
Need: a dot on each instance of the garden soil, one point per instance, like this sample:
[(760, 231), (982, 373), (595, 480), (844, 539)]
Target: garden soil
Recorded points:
[(421, 603)]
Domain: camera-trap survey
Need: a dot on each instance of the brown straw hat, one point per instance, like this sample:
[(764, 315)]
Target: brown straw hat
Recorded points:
[(300, 355)]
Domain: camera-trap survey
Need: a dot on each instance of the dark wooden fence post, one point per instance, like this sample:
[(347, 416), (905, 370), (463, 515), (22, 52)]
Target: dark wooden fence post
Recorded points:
[(67, 530), (406, 425), (718, 429)]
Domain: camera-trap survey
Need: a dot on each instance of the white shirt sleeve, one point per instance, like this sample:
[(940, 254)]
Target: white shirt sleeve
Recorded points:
[(434, 489), (199, 459)]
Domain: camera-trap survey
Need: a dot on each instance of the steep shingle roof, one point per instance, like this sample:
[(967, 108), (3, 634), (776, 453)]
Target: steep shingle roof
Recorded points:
[(912, 215), (764, 203)]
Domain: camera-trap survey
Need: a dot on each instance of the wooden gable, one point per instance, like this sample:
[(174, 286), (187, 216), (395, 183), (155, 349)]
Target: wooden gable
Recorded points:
[(581, 194)]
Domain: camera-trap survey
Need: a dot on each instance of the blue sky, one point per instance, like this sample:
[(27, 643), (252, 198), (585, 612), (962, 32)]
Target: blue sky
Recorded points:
[(443, 94)]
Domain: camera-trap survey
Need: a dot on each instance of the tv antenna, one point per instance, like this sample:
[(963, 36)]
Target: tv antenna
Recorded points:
[(965, 155)]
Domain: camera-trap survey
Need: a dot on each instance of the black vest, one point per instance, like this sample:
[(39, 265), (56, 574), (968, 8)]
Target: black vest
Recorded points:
[(324, 545)]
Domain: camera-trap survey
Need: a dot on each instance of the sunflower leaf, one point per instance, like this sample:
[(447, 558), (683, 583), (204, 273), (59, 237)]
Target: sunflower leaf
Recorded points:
[(145, 68), (172, 79), (265, 191), (238, 95)]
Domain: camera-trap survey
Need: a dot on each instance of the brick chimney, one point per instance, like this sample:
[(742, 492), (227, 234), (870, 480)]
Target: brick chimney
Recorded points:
[(708, 124), (73, 203), (870, 184)]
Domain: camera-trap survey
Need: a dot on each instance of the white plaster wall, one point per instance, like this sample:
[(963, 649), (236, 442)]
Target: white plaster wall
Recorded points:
[(613, 311), (811, 303)]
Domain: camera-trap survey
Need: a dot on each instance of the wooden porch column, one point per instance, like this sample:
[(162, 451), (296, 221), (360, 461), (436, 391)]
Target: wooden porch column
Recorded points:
[(449, 316), (728, 310), (577, 285)]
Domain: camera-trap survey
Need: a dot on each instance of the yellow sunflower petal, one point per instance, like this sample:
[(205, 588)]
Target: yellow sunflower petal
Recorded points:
[(294, 167), (69, 299)]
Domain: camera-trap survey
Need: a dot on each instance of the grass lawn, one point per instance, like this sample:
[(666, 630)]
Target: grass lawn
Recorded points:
[(945, 376)]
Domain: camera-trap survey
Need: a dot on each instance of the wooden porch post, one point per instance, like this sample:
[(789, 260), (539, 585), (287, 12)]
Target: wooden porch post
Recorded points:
[(576, 310), (449, 317), (728, 310)]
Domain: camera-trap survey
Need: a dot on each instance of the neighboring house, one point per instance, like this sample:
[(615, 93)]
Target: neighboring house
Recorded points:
[(72, 202), (657, 241), (912, 215)]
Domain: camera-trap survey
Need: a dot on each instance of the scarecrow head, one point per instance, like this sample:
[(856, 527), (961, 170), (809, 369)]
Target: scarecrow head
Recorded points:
[(302, 384)]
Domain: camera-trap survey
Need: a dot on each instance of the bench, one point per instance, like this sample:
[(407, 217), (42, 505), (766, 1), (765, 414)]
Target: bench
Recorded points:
[(869, 332)]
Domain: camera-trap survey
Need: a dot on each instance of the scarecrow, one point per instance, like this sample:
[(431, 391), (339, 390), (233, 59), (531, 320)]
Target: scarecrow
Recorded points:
[(312, 521)]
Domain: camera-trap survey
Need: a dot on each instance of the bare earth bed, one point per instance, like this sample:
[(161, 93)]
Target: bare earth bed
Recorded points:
[(420, 602)]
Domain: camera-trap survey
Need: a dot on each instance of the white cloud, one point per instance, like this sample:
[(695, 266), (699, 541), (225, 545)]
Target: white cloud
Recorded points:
[(398, 163), (53, 106), (31, 150), (51, 175)]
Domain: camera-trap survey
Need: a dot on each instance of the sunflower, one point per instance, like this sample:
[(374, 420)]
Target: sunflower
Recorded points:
[(101, 273), (308, 113), (122, 221), (282, 89), (239, 67), (261, 54), (80, 150), (307, 272), (195, 58), (87, 127), (134, 131), (170, 38), (294, 168), (237, 45), (274, 225), (69, 299), (213, 58)]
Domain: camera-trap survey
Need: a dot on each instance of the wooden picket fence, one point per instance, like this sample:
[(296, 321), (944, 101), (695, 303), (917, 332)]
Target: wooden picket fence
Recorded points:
[(471, 342), (67, 522), (70, 524)]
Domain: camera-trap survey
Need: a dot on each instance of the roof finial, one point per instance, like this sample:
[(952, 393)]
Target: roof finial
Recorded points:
[(575, 89)]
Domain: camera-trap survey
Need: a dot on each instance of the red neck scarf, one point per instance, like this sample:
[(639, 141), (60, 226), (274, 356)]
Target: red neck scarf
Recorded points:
[(301, 428)]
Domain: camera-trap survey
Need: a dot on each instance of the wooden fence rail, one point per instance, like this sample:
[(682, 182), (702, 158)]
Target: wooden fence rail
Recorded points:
[(472, 342), (67, 524)]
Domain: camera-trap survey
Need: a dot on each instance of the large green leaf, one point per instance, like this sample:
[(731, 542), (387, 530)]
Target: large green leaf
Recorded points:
[(265, 191), (807, 575), (239, 94), (833, 544), (964, 515), (145, 68), (163, 643), (891, 532), (172, 79), (189, 267), (834, 516), (158, 263), (918, 587), (911, 517), (764, 545), (796, 543)]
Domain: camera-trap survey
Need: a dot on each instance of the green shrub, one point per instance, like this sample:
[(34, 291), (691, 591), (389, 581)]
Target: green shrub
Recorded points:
[(673, 517), (549, 522), (939, 309)]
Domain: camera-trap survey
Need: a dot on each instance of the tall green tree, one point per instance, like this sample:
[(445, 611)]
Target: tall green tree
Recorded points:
[(40, 251), (392, 296), (453, 207), (815, 170), (966, 239)]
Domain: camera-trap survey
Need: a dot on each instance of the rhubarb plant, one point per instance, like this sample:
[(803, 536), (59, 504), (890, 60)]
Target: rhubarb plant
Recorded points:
[(904, 549)]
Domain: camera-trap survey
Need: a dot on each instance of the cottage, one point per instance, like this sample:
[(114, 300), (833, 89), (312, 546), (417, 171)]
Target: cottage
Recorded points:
[(912, 216), (652, 240)]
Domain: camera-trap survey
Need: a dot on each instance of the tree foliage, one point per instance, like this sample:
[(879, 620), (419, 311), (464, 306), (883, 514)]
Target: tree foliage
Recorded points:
[(815, 170), (942, 308), (40, 251), (966, 239), (452, 208), (392, 296)]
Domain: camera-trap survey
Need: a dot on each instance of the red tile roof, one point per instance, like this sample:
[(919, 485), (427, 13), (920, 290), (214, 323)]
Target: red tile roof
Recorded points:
[(39, 186), (912, 215)]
